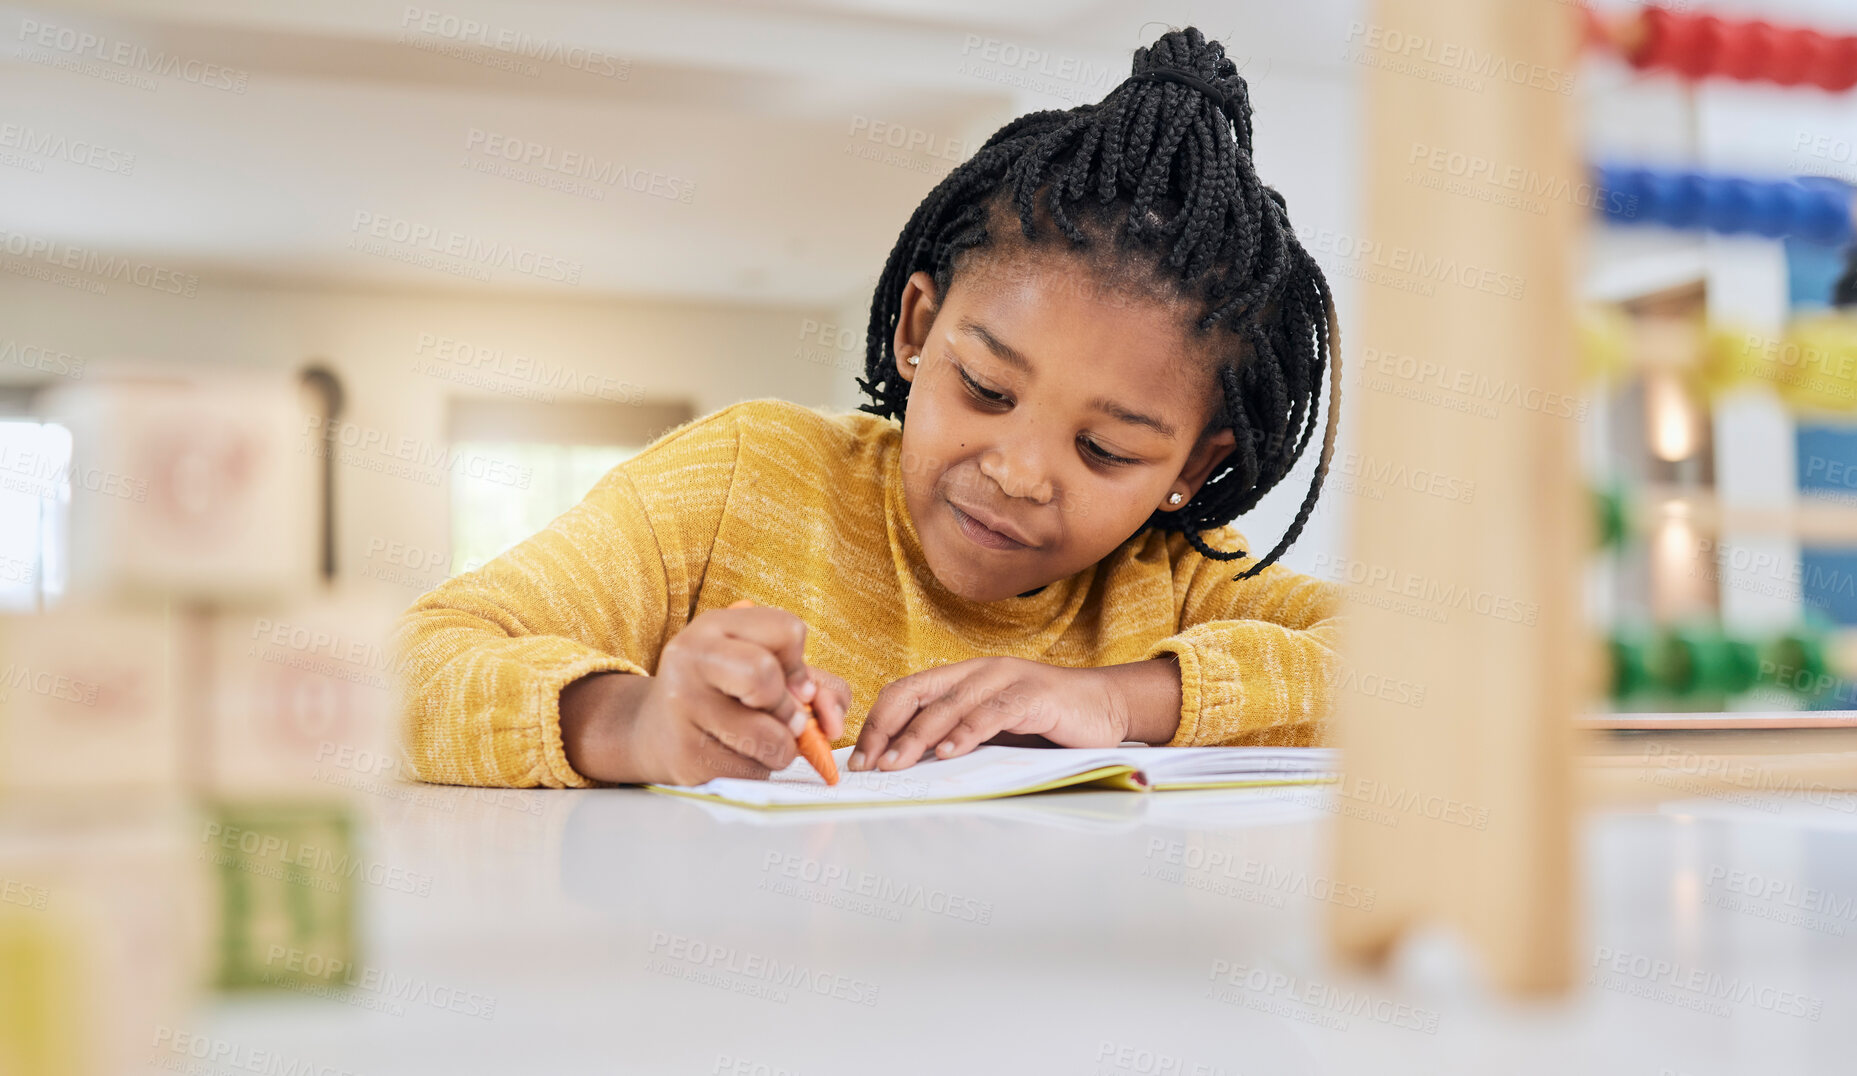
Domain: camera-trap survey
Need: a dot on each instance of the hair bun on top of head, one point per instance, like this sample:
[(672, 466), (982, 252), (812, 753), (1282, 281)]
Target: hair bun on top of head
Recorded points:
[(1185, 57)]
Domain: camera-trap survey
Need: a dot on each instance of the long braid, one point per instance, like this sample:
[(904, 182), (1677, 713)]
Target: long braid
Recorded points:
[(1162, 167)]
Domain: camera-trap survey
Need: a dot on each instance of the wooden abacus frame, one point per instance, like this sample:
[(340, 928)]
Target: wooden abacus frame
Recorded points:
[(1494, 743), (1494, 740)]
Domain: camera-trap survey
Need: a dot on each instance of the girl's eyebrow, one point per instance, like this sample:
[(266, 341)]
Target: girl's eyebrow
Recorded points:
[(1011, 357), (1005, 352)]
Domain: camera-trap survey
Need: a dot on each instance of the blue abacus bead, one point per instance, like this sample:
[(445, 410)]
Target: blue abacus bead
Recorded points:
[(1824, 213), (1783, 211), (1691, 201), (1660, 198), (1770, 216), (1729, 204), (1628, 193), (1606, 183)]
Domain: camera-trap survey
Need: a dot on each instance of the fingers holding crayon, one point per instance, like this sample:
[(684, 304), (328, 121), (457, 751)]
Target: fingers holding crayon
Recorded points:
[(817, 699), (732, 696), (784, 636), (831, 702), (761, 658), (747, 733)]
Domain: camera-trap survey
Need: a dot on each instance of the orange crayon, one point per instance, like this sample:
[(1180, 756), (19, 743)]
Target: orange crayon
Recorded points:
[(814, 747)]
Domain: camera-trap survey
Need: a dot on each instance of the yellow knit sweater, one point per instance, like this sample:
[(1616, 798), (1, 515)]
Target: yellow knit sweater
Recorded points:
[(804, 510)]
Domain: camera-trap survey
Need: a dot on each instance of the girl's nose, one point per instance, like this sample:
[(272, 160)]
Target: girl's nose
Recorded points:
[(1019, 473)]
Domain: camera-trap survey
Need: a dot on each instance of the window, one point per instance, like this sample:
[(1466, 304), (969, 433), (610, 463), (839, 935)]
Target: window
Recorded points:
[(35, 509), (540, 481), (520, 464)]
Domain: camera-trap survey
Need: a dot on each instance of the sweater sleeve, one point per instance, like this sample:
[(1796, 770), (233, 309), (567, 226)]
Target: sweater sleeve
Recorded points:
[(483, 656), (1258, 657)]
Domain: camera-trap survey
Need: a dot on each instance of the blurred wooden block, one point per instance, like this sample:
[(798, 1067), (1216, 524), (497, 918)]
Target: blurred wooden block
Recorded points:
[(42, 994), (87, 703), (286, 893), (301, 701), (200, 484), (103, 935)]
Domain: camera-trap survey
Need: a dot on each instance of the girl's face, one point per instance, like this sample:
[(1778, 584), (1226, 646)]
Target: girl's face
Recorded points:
[(1047, 419)]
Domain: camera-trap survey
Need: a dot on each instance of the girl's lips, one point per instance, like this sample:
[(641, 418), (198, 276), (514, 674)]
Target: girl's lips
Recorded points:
[(981, 535)]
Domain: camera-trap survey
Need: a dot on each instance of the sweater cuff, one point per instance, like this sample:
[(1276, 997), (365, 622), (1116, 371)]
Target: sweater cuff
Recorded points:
[(581, 661), (1191, 688)]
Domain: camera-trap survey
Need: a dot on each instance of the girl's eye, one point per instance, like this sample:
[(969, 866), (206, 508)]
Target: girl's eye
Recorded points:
[(1105, 456), (985, 394)]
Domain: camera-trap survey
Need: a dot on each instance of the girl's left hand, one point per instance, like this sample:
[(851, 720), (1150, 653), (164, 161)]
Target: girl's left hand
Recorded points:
[(955, 707)]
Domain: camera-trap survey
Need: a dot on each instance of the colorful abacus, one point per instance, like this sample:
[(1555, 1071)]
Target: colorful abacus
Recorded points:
[(1497, 725)]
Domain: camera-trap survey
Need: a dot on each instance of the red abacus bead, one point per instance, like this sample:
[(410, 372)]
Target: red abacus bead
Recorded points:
[(1793, 55), (1750, 51), (1662, 31), (1817, 58), (1703, 52), (1839, 72)]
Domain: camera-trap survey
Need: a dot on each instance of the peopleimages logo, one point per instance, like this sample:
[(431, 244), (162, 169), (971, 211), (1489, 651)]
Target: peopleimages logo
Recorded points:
[(41, 359), (129, 56), (104, 267), (1675, 983), (472, 251), (1252, 872), (749, 972), (1526, 182), (1470, 385), (58, 147), (1457, 58), (576, 165), (516, 43), (1420, 271), (1311, 1001)]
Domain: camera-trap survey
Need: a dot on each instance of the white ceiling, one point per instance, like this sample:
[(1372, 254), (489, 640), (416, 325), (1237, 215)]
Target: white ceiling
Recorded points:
[(758, 106)]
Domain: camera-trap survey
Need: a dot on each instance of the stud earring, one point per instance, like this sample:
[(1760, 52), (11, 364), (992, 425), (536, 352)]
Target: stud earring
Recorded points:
[(914, 359), (1173, 498)]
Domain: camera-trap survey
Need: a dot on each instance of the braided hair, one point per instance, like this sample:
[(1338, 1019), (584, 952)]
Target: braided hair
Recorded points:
[(1153, 170)]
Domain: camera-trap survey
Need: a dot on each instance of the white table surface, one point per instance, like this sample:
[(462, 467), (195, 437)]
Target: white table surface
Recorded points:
[(1040, 935)]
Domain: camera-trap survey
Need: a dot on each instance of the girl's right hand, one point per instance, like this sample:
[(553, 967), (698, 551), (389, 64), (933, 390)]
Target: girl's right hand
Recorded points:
[(723, 700)]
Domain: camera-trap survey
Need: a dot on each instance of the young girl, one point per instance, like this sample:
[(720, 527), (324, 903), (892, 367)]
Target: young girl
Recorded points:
[(1095, 344)]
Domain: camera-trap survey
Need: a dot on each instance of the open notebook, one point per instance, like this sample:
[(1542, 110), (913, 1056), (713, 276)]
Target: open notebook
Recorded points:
[(991, 772)]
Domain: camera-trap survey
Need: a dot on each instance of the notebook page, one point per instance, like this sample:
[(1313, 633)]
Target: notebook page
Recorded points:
[(1195, 765), (985, 771)]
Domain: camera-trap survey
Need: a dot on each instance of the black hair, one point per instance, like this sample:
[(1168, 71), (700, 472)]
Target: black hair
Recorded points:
[(1166, 166)]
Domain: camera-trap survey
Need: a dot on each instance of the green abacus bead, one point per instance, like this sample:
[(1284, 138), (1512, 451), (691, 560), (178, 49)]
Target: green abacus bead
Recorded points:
[(1674, 663), (1610, 506), (1630, 664), (1743, 665), (1797, 657)]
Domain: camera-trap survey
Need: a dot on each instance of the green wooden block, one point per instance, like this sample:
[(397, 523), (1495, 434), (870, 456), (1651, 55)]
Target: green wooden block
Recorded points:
[(287, 893)]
